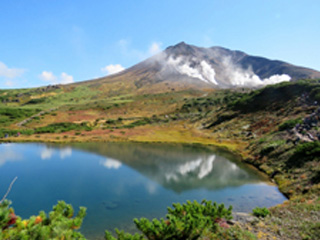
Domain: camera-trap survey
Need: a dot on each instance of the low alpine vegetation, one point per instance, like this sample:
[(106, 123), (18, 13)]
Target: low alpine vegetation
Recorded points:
[(260, 212), (58, 224), (62, 127), (192, 220)]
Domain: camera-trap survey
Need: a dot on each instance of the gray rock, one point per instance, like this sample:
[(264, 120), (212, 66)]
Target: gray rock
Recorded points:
[(243, 217)]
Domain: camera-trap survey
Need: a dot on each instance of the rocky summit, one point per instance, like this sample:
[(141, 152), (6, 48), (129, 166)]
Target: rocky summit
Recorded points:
[(185, 66)]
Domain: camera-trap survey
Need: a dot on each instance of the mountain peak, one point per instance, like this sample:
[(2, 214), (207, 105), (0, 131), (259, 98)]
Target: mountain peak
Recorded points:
[(184, 66), (180, 48), (181, 44)]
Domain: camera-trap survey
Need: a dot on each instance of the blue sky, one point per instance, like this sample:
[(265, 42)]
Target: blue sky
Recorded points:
[(47, 42)]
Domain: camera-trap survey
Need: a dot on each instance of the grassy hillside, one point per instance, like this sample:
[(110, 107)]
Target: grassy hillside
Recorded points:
[(276, 129)]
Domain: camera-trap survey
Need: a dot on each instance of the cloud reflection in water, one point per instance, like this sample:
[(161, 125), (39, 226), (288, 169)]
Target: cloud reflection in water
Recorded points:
[(65, 152), (9, 155), (110, 163), (48, 152)]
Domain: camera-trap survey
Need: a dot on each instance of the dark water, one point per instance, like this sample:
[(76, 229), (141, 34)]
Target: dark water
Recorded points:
[(120, 181)]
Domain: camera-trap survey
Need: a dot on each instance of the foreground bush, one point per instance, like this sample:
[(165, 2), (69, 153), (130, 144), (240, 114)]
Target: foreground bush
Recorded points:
[(187, 221), (58, 224), (183, 222)]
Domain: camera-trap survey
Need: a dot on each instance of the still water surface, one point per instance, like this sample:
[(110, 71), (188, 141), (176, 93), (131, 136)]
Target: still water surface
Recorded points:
[(120, 181)]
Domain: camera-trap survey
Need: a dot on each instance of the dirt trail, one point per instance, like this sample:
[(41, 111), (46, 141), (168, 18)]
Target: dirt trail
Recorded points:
[(25, 121)]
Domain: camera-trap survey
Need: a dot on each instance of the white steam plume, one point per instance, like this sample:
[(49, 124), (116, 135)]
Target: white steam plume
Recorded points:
[(202, 71), (231, 75), (238, 76), (276, 79)]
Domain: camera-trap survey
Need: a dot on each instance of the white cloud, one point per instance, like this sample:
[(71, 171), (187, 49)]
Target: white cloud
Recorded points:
[(111, 163), (48, 76), (155, 48), (10, 72), (112, 68), (65, 78), (52, 79)]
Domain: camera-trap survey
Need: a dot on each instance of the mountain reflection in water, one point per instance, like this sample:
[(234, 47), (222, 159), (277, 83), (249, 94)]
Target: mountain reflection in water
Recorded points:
[(209, 172), (178, 167)]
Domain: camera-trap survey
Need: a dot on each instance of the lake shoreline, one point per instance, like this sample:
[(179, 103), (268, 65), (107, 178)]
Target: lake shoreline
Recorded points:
[(292, 206)]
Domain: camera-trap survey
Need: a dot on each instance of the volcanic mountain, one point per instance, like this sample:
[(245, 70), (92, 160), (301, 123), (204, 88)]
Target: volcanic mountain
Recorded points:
[(186, 66)]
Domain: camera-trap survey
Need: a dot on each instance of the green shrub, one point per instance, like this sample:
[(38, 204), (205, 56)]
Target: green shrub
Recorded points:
[(138, 123), (111, 121), (62, 127), (186, 221), (260, 212), (315, 94), (266, 150), (289, 124), (36, 101), (262, 140), (304, 152), (58, 224)]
